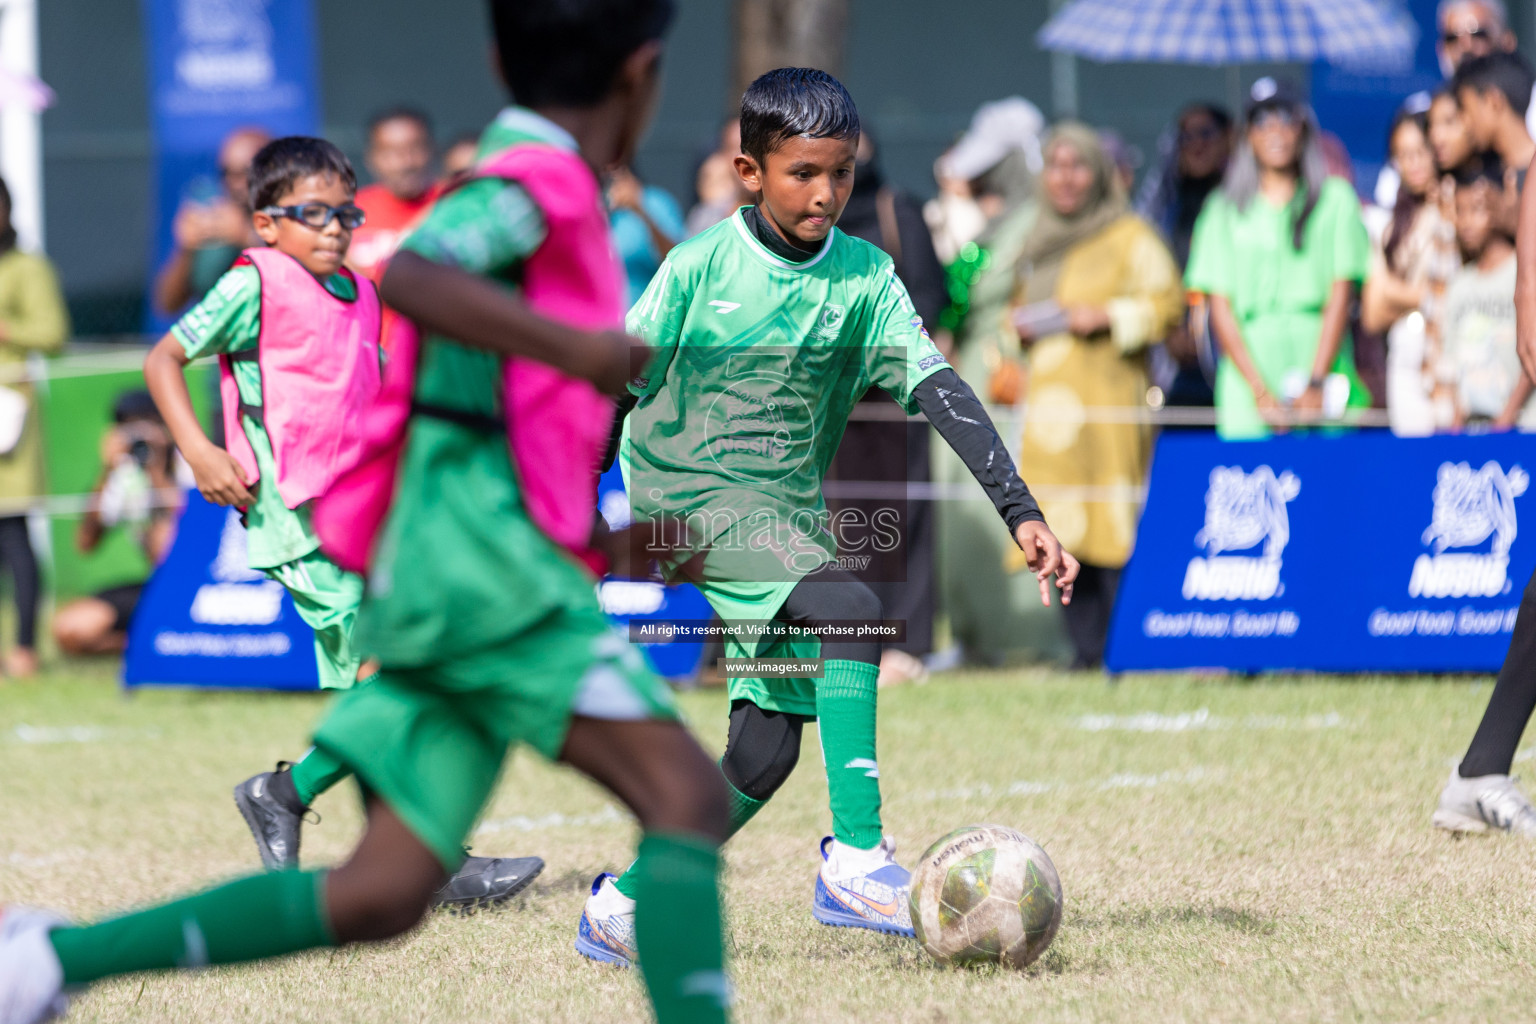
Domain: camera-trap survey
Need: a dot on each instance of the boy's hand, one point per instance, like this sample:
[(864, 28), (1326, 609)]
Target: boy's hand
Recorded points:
[(219, 477), (1046, 559)]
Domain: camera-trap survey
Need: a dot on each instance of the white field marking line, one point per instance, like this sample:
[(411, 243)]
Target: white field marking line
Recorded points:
[(1027, 787), (24, 733), (525, 823), (46, 860), (1188, 721)]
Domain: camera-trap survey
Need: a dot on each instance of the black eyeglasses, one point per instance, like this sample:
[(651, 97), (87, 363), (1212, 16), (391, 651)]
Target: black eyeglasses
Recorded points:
[(1452, 38), (318, 215)]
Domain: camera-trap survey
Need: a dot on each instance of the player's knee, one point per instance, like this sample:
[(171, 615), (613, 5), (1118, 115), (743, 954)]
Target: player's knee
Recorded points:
[(696, 802), (77, 628), (760, 757), (862, 603)]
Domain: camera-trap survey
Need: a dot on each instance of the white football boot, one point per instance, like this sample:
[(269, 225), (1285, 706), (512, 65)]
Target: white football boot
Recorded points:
[(31, 977), (863, 888), (606, 931), (1483, 803)]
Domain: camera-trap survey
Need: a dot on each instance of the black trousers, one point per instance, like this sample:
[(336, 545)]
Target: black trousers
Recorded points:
[(1093, 599), (1514, 697), (20, 561)]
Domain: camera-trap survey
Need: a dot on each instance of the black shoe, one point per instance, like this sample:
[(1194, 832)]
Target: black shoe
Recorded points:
[(274, 824), (487, 881)]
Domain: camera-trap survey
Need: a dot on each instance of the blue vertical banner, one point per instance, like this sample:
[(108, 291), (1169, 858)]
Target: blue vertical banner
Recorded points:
[(218, 65), (1358, 106)]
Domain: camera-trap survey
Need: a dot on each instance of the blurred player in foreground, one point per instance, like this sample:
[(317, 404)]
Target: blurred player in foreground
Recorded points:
[(488, 630)]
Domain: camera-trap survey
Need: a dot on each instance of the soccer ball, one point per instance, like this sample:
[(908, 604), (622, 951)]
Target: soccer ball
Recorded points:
[(986, 894)]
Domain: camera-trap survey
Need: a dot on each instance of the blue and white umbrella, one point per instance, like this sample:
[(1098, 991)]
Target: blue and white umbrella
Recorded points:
[(1375, 34)]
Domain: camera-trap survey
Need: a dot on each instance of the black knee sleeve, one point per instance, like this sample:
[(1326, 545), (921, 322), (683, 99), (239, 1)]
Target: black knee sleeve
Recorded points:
[(761, 749)]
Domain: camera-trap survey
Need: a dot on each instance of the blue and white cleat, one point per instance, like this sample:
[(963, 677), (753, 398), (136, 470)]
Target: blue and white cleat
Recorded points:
[(607, 929), (863, 888)]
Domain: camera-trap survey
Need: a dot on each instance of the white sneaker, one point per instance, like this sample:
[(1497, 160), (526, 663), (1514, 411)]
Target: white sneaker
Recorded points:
[(1483, 803), (31, 977), (863, 888), (606, 931)]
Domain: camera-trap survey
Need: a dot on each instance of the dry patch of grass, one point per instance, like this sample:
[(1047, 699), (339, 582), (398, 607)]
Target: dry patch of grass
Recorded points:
[(1229, 850)]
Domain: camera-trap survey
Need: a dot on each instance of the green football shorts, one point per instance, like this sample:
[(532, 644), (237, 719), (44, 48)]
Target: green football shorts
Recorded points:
[(327, 598), (430, 741)]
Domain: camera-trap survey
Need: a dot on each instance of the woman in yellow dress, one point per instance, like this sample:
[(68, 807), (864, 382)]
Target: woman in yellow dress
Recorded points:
[(1097, 286)]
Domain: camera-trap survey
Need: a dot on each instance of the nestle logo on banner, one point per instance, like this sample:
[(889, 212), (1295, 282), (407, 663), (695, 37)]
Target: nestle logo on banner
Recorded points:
[(1242, 512), (1471, 506)]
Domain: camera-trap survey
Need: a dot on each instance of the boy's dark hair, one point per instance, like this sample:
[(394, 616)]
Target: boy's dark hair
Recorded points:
[(790, 102), (1507, 72), (568, 52), (399, 113), (1489, 170), (282, 163)]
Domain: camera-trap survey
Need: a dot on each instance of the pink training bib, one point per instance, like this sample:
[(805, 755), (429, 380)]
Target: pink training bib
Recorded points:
[(557, 426), (319, 362)]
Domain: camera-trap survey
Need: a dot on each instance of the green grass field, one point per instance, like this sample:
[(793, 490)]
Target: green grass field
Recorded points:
[(1229, 851)]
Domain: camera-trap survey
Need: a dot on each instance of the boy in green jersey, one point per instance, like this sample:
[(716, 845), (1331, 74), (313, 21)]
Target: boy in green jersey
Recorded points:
[(488, 633), (293, 180), (771, 325)]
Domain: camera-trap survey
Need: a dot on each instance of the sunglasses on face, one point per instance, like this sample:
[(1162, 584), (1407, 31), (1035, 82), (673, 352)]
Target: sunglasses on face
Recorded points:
[(318, 215), (1452, 38)]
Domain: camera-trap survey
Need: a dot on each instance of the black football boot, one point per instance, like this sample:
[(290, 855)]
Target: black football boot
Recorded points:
[(487, 881)]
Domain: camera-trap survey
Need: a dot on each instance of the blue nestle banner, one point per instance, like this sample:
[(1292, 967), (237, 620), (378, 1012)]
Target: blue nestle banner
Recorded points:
[(214, 66), (1352, 553), (207, 619)]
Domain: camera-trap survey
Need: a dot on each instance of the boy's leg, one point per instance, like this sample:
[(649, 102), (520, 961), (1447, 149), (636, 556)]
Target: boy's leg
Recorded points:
[(274, 803), (1480, 794), (380, 892), (662, 774), (845, 700)]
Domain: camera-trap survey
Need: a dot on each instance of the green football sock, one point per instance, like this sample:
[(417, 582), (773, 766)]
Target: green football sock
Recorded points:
[(845, 710), (250, 919), (677, 928), (315, 773), (743, 807)]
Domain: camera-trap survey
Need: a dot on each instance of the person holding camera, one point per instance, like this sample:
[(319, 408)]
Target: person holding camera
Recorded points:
[(137, 489)]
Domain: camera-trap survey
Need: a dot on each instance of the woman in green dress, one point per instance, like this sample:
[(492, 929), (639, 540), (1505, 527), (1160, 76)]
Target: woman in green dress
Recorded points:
[(1279, 250)]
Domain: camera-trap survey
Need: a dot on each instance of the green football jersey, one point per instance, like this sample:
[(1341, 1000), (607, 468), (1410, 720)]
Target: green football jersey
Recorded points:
[(759, 363)]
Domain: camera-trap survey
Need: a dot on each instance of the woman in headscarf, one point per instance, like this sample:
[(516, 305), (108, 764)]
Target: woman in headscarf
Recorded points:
[(1096, 287), (1279, 250), (993, 616)]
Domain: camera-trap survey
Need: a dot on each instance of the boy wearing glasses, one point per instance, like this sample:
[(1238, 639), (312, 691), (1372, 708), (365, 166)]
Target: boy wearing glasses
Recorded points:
[(297, 336)]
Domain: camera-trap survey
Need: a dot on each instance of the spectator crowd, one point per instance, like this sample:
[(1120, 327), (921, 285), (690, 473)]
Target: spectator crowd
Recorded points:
[(1243, 274)]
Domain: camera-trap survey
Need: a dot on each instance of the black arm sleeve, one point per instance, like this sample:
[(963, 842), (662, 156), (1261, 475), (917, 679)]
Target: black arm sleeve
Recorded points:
[(626, 402), (959, 417)]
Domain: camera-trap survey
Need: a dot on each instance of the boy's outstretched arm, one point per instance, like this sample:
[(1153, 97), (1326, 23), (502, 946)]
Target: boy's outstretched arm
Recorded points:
[(479, 312), (1525, 281), (959, 417), (219, 477)]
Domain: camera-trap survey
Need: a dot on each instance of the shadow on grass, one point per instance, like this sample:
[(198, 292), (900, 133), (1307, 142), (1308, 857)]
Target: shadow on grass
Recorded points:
[(1232, 918)]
